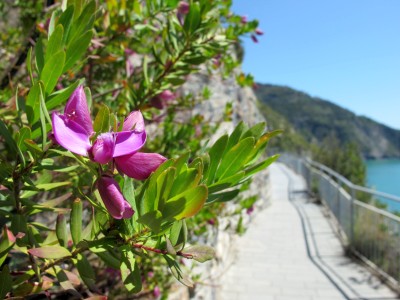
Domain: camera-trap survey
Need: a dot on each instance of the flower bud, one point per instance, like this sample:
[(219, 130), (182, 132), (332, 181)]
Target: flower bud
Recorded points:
[(113, 199), (183, 7)]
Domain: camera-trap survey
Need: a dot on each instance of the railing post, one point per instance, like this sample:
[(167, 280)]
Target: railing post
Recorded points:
[(352, 216)]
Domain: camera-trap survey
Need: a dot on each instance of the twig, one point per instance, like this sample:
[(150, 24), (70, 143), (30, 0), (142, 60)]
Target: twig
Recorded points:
[(160, 251), (107, 92)]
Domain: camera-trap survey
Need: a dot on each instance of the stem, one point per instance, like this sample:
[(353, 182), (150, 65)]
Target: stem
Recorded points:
[(160, 251), (107, 92), (58, 261)]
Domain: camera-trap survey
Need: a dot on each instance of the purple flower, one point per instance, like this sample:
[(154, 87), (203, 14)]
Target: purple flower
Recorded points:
[(258, 31), (183, 9), (250, 210), (162, 99), (156, 292), (74, 128), (243, 19), (113, 199), (254, 38)]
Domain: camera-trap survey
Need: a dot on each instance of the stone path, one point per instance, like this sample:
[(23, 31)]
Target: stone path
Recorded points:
[(290, 251)]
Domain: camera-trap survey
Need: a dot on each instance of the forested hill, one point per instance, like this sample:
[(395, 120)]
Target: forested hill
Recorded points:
[(316, 120)]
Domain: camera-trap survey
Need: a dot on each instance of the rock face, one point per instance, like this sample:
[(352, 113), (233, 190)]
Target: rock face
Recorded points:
[(244, 107), (224, 91)]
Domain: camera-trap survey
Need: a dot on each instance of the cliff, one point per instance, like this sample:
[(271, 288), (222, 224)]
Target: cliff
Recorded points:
[(314, 119)]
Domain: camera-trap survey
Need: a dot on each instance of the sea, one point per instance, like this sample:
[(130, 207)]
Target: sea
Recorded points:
[(384, 176)]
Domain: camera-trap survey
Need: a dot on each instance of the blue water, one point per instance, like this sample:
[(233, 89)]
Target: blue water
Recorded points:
[(384, 176)]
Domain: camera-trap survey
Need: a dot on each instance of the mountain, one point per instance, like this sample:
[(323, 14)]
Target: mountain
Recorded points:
[(313, 120)]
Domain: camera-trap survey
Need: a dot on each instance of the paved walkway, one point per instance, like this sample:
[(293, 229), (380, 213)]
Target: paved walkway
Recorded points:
[(291, 252)]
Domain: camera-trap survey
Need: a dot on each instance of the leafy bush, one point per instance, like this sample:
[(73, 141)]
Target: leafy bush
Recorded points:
[(84, 198)]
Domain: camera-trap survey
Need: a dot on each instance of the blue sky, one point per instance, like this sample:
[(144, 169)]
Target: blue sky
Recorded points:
[(344, 51)]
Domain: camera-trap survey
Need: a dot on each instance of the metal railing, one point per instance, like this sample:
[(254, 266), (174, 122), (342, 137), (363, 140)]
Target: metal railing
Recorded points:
[(370, 232)]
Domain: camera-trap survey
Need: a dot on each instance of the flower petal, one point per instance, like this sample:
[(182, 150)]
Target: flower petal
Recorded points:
[(134, 120), (113, 199), (139, 165), (77, 110), (128, 142), (103, 148), (70, 135)]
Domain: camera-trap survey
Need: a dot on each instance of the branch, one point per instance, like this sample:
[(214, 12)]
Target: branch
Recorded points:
[(159, 251)]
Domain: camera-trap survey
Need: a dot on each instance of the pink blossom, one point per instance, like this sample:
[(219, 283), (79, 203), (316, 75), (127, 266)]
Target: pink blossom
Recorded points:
[(113, 199), (73, 130), (162, 99), (258, 31), (250, 210), (156, 292), (243, 19), (183, 7)]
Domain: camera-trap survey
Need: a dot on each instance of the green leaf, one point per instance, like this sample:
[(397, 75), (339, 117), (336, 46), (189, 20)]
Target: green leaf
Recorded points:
[(52, 70), (88, 95), (152, 220), (86, 271), (235, 158), (201, 253), (52, 23), (5, 247), (52, 185), (84, 23), (65, 282), (42, 103), (43, 127), (256, 131), (32, 106), (39, 56), (53, 252), (29, 64), (62, 96), (226, 182), (178, 234), (175, 232), (193, 18), (5, 282), (223, 197), (216, 153), (170, 247), (261, 144), (129, 194), (130, 271), (102, 120), (260, 166), (186, 204), (65, 20), (61, 230), (185, 180), (33, 147), (145, 71), (8, 137), (78, 8), (177, 272), (77, 48), (237, 134), (109, 259), (55, 43), (76, 221), (164, 185), (23, 134)]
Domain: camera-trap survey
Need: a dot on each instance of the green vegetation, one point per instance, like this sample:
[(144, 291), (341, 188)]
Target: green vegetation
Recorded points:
[(315, 120)]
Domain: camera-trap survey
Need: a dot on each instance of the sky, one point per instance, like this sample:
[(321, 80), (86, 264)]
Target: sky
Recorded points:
[(344, 51)]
